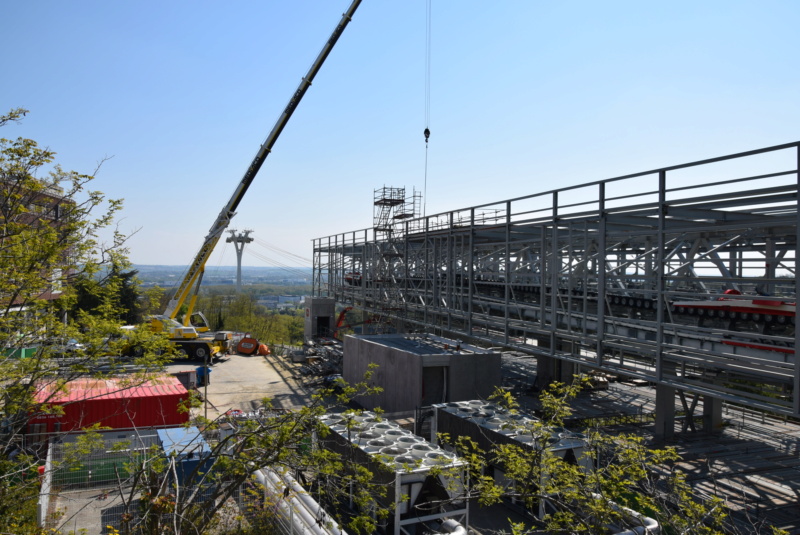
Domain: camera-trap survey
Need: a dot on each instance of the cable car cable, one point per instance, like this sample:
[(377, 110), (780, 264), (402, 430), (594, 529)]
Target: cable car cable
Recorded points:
[(427, 131)]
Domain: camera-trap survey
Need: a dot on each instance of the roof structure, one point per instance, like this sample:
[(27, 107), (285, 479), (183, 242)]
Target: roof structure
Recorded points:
[(422, 344), (112, 388)]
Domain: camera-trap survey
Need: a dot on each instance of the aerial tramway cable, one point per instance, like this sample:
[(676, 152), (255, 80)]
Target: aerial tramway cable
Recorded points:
[(283, 252), (427, 131)]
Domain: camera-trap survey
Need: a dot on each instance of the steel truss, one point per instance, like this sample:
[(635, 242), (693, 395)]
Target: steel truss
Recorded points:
[(631, 275)]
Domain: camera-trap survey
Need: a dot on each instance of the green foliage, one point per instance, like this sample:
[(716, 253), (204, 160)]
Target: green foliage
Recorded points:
[(117, 290), (260, 290), (615, 475), (241, 312), (55, 323), (15, 115), (281, 440), (18, 495)]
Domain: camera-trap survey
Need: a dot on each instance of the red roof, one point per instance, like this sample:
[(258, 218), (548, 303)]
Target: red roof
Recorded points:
[(113, 388), (117, 403)]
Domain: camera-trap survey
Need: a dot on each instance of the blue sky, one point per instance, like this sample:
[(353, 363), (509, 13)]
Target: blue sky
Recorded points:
[(525, 96)]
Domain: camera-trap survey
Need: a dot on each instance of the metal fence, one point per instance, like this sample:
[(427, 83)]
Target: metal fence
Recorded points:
[(87, 480)]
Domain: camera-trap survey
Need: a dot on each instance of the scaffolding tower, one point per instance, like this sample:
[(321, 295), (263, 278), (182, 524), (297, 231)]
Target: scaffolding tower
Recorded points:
[(393, 209)]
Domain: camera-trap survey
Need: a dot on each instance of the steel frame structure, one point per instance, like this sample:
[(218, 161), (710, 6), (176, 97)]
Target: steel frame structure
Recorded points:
[(598, 275)]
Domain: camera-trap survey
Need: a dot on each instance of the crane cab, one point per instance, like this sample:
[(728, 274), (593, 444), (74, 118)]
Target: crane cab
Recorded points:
[(199, 322)]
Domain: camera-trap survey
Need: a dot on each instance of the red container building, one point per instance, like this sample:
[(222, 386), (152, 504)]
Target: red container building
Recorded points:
[(113, 403)]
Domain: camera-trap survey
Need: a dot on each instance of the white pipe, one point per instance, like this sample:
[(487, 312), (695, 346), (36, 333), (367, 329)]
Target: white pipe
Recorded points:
[(300, 506), (331, 527), (649, 525), (306, 516), (307, 510), (454, 527), (303, 521)]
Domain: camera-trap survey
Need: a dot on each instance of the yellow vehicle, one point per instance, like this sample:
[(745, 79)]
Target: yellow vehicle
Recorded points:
[(192, 341), (193, 336)]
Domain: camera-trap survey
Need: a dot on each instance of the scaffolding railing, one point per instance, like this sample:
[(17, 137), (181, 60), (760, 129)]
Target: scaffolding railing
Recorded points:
[(684, 276)]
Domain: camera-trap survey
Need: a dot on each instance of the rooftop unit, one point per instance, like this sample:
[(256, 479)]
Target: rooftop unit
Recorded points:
[(490, 425), (416, 471)]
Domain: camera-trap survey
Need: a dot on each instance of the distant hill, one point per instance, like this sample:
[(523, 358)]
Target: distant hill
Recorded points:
[(168, 276), (147, 268)]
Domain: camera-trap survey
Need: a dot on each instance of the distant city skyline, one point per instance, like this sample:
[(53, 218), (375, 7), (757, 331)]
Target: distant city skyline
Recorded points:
[(524, 97), (170, 276), (233, 267)]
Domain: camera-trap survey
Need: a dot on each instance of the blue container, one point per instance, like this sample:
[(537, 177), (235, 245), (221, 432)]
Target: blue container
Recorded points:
[(190, 452), (202, 373)]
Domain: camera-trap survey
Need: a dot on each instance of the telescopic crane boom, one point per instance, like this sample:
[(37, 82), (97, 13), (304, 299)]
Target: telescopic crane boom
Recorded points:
[(195, 271), (191, 281)]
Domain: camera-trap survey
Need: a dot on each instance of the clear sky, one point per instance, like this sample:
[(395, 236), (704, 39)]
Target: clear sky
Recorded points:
[(525, 96)]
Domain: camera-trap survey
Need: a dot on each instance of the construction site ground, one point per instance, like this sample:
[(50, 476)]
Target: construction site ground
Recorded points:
[(241, 382), (754, 460)]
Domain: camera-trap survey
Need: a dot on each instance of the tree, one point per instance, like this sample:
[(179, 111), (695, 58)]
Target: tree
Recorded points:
[(616, 477), (59, 282), (119, 281), (223, 495), (50, 223), (241, 312)]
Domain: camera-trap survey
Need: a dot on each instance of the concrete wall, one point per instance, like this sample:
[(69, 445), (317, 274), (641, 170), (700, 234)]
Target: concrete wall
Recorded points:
[(410, 380), (474, 376), (320, 314), (398, 373)]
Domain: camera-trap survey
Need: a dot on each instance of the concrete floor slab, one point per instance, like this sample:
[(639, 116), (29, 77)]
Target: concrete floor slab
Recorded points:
[(241, 382)]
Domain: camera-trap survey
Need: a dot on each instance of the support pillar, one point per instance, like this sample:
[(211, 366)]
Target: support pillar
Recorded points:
[(567, 370), (546, 367), (712, 414), (665, 413), (239, 242), (550, 370), (546, 371)]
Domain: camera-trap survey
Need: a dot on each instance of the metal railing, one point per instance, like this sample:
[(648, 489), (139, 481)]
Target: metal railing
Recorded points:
[(683, 275)]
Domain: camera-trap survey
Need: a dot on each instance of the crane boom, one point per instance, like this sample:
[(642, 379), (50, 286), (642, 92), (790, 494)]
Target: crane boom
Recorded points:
[(194, 274)]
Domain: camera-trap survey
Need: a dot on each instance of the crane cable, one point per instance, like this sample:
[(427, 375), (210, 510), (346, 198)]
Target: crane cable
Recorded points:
[(427, 131)]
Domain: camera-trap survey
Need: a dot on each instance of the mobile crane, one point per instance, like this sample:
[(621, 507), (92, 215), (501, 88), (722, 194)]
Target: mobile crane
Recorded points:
[(192, 337)]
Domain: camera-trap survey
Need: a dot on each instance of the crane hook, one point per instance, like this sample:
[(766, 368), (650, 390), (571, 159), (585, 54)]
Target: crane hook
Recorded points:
[(427, 135)]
